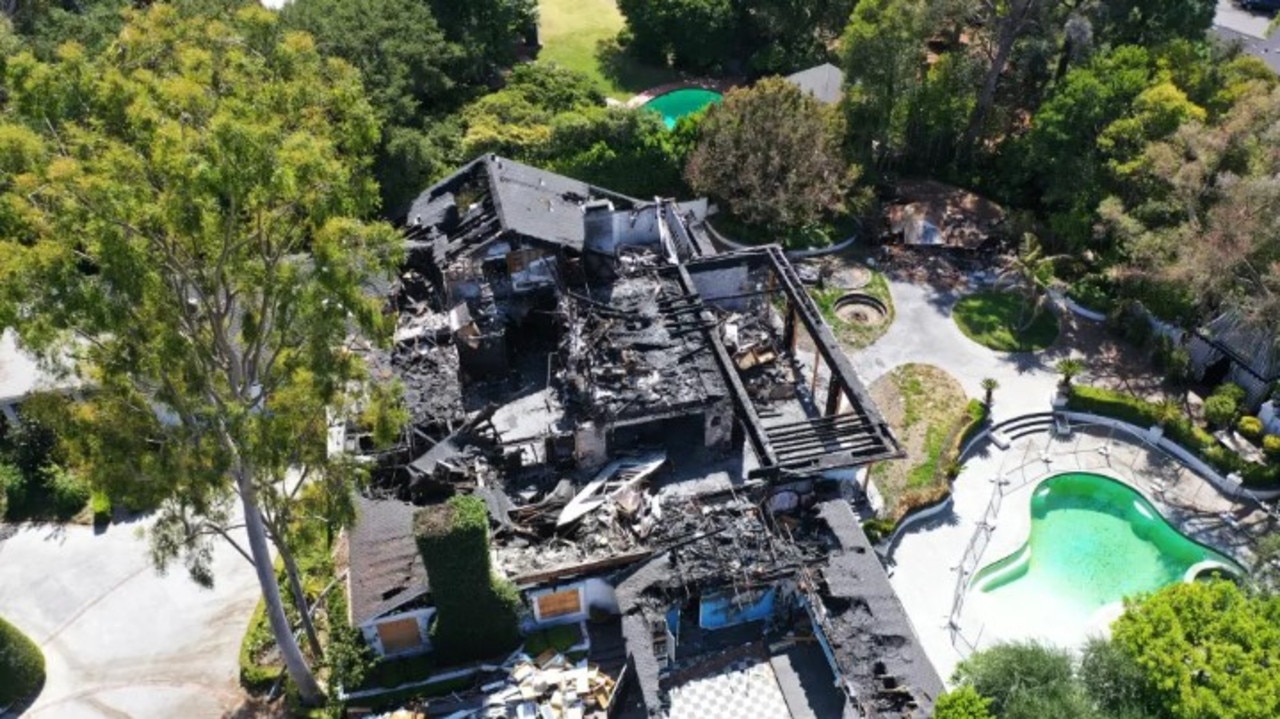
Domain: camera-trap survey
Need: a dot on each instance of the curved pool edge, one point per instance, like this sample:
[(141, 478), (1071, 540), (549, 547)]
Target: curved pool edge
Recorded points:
[(990, 568)]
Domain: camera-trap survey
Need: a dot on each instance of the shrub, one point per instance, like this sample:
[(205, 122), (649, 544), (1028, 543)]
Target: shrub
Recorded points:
[(68, 492), (254, 677), (1233, 391), (1129, 320), (1271, 446), (100, 505), (21, 666), (13, 487), (1219, 410), (963, 702), (31, 446), (1172, 359), (1250, 427), (877, 528), (1177, 365), (477, 613), (1093, 292), (1180, 430)]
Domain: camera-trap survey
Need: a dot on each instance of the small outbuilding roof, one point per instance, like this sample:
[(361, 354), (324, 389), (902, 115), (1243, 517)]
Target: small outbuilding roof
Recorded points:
[(825, 82), (386, 569)]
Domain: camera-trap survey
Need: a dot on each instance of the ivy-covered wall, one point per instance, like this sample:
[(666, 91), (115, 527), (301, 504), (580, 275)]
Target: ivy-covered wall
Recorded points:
[(477, 612)]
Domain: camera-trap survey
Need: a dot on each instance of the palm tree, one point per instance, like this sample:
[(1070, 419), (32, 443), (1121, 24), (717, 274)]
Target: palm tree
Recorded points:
[(1069, 368), (1032, 270), (990, 385), (1168, 411)]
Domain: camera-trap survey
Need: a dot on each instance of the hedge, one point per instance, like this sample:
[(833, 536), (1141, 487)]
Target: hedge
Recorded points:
[(477, 613), (1180, 430), (254, 677), (21, 666)]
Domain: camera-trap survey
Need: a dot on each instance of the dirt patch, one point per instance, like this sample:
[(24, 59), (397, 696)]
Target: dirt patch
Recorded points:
[(924, 405)]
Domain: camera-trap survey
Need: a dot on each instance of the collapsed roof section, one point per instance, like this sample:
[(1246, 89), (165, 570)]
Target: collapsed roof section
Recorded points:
[(813, 548), (604, 319), (492, 198)]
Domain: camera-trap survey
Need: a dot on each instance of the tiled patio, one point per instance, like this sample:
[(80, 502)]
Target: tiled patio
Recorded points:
[(746, 689)]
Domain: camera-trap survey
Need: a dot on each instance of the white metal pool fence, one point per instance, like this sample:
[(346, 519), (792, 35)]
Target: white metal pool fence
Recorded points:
[(1036, 461)]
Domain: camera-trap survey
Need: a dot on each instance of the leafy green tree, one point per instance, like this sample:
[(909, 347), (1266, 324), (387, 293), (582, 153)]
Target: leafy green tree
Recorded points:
[(627, 150), (188, 204), (964, 702), (772, 154), (1115, 682), (397, 45), (1032, 269), (695, 35), (1025, 680), (884, 60), (555, 118), (516, 120), (1206, 650), (406, 63), (1151, 22), (46, 24), (487, 31), (758, 36)]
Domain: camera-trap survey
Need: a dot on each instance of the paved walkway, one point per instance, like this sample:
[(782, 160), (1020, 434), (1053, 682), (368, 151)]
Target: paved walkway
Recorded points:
[(118, 639), (927, 558), (923, 331)]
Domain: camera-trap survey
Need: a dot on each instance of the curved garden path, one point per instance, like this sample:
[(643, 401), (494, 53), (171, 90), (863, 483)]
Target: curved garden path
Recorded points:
[(924, 332)]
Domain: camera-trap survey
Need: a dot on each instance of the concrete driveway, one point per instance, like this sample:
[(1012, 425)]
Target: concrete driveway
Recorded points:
[(923, 331), (118, 639)]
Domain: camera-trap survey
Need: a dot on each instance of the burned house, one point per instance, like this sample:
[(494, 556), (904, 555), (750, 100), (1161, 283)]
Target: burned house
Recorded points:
[(624, 398)]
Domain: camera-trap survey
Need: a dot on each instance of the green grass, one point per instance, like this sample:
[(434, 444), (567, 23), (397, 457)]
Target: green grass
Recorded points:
[(924, 473), (926, 408), (21, 666), (992, 320), (855, 336), (559, 638), (581, 35)]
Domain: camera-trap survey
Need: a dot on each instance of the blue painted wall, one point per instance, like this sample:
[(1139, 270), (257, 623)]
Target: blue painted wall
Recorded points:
[(716, 611)]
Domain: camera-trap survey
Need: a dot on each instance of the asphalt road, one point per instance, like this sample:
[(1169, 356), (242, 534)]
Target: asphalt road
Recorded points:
[(1250, 29)]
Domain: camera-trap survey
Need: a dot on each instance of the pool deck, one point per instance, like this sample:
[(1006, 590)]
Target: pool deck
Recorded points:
[(720, 85), (928, 556)]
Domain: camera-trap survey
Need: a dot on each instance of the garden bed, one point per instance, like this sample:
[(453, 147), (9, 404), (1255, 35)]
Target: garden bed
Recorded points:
[(996, 321), (1178, 428), (925, 406)]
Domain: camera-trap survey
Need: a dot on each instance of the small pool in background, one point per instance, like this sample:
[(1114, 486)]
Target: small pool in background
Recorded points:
[(1093, 542), (678, 103)]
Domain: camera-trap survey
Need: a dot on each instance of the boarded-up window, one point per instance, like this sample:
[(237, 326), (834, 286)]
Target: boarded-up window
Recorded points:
[(399, 635), (558, 604)]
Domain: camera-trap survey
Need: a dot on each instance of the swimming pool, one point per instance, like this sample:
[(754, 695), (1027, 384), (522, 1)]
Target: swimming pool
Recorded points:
[(678, 103), (1093, 541)]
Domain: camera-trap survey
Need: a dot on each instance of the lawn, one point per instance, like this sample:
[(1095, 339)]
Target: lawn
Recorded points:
[(924, 405), (580, 35), (991, 319)]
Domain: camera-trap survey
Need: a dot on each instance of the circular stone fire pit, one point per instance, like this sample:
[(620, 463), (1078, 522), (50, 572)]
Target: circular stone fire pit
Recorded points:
[(860, 309)]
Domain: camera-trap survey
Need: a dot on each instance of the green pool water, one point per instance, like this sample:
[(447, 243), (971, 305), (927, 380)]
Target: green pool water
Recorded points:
[(1093, 541), (678, 103)]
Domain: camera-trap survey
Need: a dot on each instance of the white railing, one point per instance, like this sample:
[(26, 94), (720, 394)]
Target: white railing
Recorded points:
[(1013, 477)]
